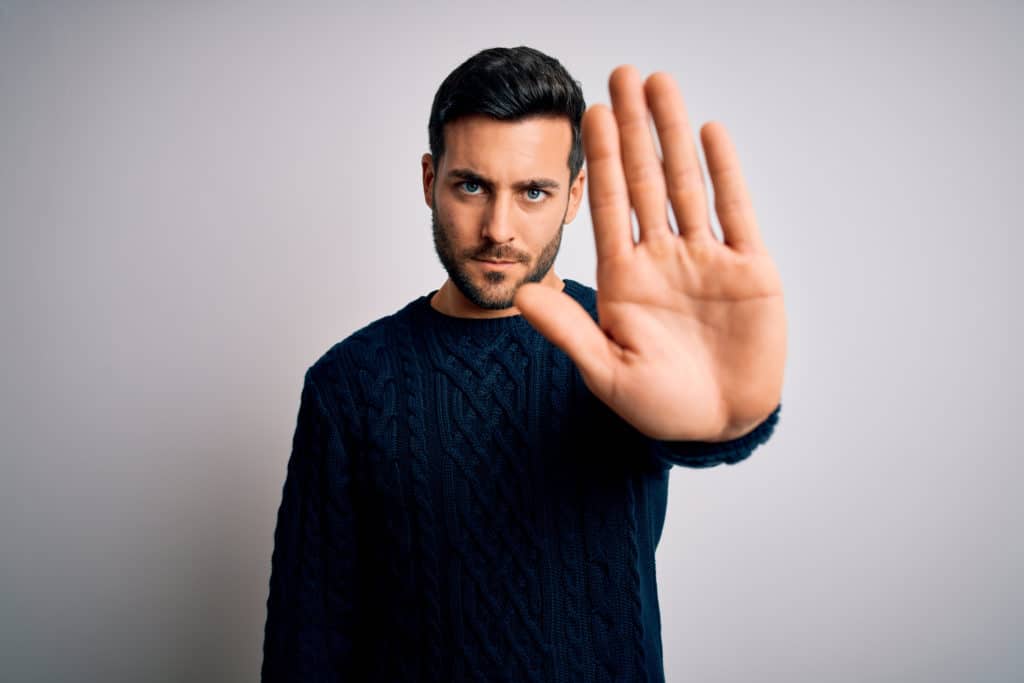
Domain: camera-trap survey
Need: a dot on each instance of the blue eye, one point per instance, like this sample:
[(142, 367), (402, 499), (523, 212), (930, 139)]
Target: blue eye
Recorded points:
[(535, 195), (470, 187)]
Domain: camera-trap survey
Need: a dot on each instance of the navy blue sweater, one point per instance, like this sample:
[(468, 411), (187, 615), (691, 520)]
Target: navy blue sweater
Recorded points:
[(459, 506)]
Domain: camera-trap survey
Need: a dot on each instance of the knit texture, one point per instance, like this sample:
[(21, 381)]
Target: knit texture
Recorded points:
[(459, 506)]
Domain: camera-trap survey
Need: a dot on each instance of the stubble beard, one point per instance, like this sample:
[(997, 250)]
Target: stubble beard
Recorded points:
[(495, 297)]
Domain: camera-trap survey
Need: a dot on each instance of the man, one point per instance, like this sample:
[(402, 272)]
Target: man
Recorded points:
[(478, 482)]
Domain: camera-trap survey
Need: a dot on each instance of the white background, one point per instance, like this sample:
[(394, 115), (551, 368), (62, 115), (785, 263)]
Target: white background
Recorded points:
[(198, 199)]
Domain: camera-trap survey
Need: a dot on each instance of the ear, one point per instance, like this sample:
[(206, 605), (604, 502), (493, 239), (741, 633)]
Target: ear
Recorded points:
[(575, 195), (427, 162)]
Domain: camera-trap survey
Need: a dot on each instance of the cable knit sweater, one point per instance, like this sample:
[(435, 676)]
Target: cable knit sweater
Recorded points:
[(459, 506)]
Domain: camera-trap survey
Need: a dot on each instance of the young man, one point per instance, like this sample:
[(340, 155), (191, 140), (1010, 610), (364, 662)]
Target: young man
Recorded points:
[(478, 481)]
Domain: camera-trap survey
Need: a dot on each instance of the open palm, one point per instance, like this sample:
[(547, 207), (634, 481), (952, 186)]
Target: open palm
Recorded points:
[(691, 341)]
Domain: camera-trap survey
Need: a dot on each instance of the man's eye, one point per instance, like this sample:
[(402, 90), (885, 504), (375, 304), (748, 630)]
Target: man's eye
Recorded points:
[(470, 187), (535, 195)]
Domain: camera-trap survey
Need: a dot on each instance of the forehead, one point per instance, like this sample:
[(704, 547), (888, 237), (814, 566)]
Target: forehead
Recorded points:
[(508, 151)]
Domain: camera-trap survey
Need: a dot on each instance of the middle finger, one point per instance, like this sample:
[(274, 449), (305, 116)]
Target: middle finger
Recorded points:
[(683, 172)]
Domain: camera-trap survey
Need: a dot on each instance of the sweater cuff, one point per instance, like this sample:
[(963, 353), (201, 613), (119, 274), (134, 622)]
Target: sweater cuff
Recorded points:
[(700, 454)]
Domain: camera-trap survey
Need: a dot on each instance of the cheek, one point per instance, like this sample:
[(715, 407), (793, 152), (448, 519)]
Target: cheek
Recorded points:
[(461, 221), (540, 226)]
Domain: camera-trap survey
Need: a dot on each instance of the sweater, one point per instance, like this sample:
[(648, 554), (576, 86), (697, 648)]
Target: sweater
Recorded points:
[(459, 506)]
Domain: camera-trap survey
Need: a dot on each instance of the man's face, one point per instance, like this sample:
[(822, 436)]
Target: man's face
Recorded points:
[(498, 201)]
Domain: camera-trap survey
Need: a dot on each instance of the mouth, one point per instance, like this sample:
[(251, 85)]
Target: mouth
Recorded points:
[(492, 262)]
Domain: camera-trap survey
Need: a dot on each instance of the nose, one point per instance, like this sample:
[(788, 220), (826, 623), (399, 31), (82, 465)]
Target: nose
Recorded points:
[(497, 220)]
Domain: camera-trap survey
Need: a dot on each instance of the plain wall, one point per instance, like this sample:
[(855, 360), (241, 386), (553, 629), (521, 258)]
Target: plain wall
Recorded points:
[(198, 199)]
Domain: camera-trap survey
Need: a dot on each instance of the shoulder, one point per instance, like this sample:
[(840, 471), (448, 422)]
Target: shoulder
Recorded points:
[(362, 353), (584, 295), (363, 345)]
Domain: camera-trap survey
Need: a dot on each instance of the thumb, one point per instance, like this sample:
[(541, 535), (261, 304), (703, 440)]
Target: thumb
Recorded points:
[(567, 325)]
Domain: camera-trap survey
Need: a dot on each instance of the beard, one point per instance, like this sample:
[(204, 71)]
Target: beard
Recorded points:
[(497, 293)]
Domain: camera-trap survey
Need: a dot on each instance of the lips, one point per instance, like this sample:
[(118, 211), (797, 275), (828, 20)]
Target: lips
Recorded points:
[(495, 262)]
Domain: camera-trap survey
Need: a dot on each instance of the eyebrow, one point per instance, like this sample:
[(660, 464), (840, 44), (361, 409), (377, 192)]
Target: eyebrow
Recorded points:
[(472, 176)]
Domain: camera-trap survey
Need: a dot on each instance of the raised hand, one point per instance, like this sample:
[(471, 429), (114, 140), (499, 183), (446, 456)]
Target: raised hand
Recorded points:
[(692, 337)]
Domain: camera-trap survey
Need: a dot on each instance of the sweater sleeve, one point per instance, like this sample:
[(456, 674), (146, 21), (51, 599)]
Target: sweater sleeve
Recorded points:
[(699, 454), (309, 628)]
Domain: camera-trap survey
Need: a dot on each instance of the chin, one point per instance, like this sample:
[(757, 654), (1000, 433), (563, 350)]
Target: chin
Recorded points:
[(489, 292), (495, 298)]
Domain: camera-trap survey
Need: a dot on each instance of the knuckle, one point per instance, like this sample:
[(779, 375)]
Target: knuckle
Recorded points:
[(730, 206), (610, 199), (686, 179), (644, 173)]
